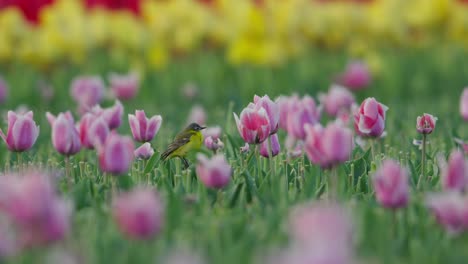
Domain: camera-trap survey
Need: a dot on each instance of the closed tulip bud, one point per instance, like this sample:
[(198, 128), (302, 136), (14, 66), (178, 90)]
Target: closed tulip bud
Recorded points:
[(124, 87), (272, 110), (144, 152), (329, 146), (337, 100), (116, 154), (3, 91), (274, 148), (369, 121), (450, 210), (213, 143), (215, 172), (65, 137), (356, 76), (302, 112), (391, 185), (454, 174), (113, 115), (139, 214), (426, 123), (93, 130), (245, 148), (144, 129), (197, 115), (253, 124), (87, 91), (22, 131), (464, 104)]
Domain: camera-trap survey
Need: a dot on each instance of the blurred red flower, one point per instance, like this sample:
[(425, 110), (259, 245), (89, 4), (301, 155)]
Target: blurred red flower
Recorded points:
[(131, 5), (30, 8)]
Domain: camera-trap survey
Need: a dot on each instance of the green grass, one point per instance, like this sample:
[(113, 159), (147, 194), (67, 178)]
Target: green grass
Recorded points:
[(237, 224)]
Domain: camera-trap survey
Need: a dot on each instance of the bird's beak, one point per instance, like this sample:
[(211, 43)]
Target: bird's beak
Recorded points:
[(201, 128)]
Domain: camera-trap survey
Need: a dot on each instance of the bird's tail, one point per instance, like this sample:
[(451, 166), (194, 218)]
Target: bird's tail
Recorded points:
[(165, 155)]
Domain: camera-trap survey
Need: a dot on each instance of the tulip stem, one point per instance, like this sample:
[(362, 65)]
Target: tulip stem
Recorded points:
[(270, 155), (333, 184), (372, 143), (423, 162), (394, 224), (19, 160)]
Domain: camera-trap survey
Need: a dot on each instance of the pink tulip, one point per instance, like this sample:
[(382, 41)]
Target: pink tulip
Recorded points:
[(65, 137), (253, 124), (328, 146), (3, 90), (40, 216), (369, 121), (93, 130), (337, 100), (144, 129), (464, 104), (87, 91), (124, 87), (285, 103), (215, 172), (245, 148), (213, 143), (144, 152), (302, 112), (275, 146), (139, 214), (113, 115), (425, 124), (454, 175), (391, 185), (116, 155), (197, 115), (356, 76), (450, 210), (22, 131), (272, 110)]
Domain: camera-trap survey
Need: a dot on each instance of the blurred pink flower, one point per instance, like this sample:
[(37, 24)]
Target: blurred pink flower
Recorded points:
[(40, 216), (3, 90), (454, 175), (22, 131), (285, 104), (275, 146), (245, 148), (93, 130), (462, 144), (215, 172), (356, 76), (337, 100), (426, 123), (144, 152), (113, 115), (214, 132), (190, 91), (369, 121), (139, 214), (197, 115), (272, 110), (302, 111), (391, 185), (116, 155), (87, 91), (144, 129), (464, 104), (213, 143), (328, 146), (124, 86), (450, 210), (65, 137), (253, 124)]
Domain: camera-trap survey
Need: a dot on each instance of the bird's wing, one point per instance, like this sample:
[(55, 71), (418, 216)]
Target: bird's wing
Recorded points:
[(178, 142)]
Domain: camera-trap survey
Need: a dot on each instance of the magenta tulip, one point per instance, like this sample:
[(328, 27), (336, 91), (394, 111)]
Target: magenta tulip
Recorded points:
[(116, 155), (93, 130), (144, 152), (391, 185), (124, 87), (426, 123), (369, 121), (144, 129), (285, 103), (197, 115), (454, 175), (337, 100), (139, 214), (3, 90), (450, 210), (253, 124), (87, 91), (22, 131), (213, 144), (40, 216), (302, 112), (329, 146), (272, 110), (215, 172), (113, 115), (356, 76), (274, 148), (65, 137), (464, 104)]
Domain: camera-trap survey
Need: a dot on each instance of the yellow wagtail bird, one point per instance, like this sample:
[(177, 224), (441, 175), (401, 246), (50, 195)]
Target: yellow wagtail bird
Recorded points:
[(190, 139)]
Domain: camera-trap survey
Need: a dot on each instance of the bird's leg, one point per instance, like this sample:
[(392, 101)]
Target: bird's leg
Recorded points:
[(186, 163)]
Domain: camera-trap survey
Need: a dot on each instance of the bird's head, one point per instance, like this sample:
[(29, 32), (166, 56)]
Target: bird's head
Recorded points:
[(195, 127)]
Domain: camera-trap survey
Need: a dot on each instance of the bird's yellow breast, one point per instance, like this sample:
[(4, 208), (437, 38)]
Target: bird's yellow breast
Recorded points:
[(195, 143)]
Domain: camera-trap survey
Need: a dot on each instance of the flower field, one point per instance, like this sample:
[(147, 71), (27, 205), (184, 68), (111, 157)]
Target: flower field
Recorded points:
[(333, 132)]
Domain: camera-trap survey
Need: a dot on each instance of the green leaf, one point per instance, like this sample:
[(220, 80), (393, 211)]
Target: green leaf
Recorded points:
[(151, 163)]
